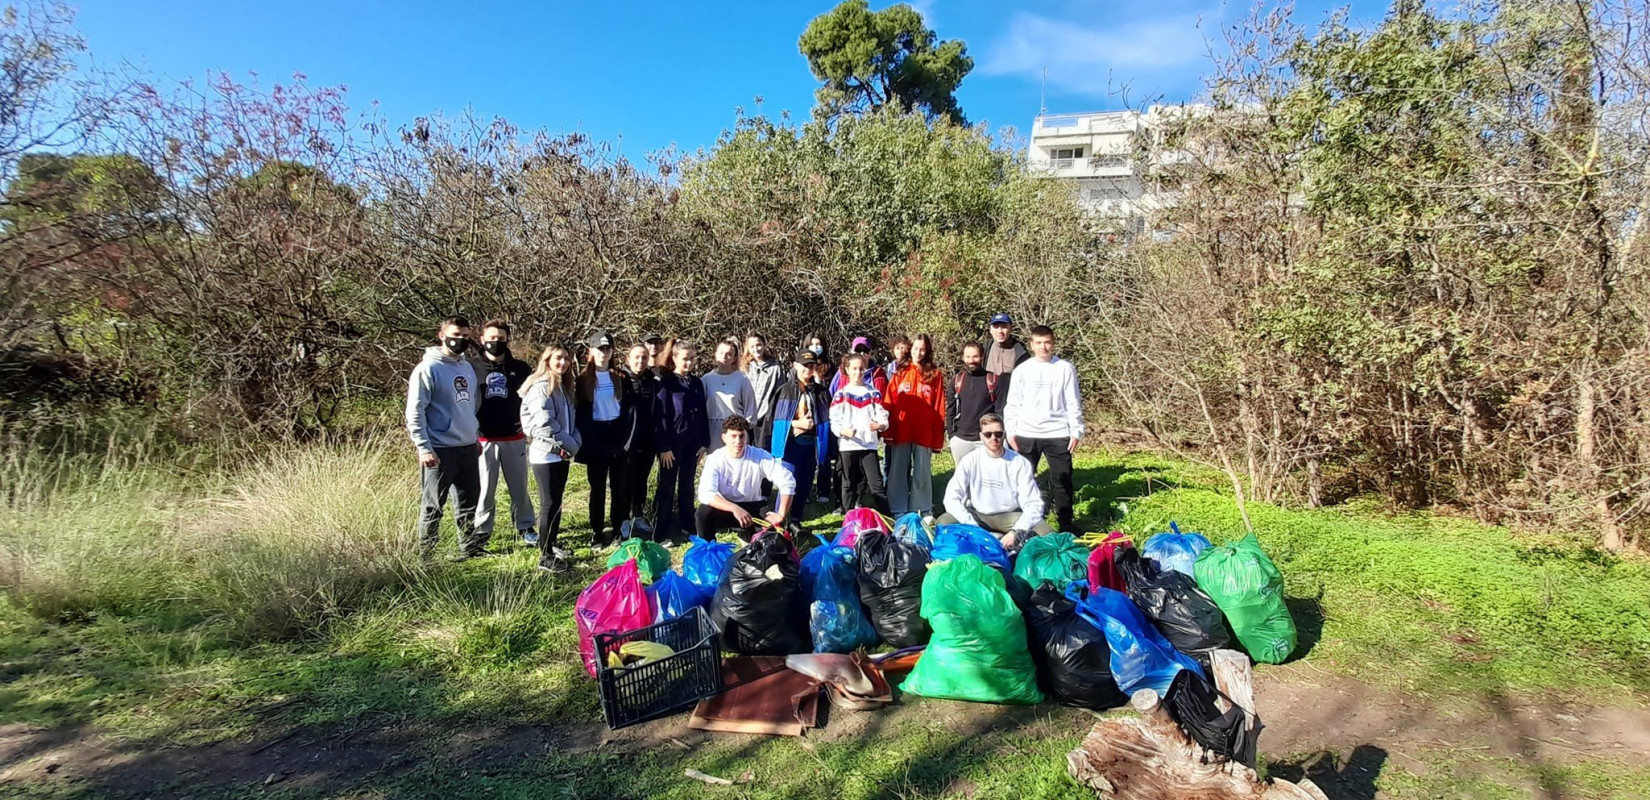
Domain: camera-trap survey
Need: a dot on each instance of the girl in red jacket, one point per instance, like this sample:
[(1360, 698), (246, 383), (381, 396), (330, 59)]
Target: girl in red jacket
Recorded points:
[(916, 429)]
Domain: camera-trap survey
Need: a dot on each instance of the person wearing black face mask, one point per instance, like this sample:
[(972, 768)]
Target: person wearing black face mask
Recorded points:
[(441, 420), (503, 447)]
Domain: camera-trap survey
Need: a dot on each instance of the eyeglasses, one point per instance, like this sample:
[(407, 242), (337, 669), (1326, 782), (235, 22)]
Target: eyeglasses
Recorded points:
[(992, 434)]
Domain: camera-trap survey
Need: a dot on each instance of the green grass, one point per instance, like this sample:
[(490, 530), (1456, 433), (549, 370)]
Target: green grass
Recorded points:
[(164, 603)]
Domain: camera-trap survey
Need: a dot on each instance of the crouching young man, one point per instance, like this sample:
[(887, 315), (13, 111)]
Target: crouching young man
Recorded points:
[(730, 487), (996, 489)]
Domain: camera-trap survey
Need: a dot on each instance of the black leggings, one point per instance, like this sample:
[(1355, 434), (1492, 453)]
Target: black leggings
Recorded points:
[(862, 472)]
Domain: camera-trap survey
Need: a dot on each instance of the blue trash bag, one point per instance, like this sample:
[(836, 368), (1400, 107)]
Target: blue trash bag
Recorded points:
[(673, 596), (808, 570), (955, 540), (1175, 550), (705, 561), (836, 620), (1140, 657), (909, 527)]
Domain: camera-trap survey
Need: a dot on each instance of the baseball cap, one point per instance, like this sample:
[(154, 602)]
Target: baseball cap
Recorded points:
[(651, 337), (806, 358), (1000, 318), (860, 341), (600, 339)]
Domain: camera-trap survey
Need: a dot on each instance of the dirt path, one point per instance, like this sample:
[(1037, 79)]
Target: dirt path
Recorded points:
[(1334, 729)]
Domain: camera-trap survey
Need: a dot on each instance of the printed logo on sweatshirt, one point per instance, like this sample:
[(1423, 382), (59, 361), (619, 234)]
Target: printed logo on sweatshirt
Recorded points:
[(461, 389), (498, 385)]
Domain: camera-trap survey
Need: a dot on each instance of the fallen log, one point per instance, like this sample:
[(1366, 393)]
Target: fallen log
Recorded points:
[(1148, 756)]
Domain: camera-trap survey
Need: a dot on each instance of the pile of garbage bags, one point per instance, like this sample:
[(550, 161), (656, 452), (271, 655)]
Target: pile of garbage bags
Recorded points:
[(1084, 626)]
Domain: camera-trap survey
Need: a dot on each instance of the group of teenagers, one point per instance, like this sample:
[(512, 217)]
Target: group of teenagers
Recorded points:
[(770, 437)]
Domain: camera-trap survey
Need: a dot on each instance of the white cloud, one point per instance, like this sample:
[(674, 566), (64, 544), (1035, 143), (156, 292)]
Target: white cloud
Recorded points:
[(1095, 58)]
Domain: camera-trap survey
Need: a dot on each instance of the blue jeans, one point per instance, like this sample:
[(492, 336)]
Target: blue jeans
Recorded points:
[(800, 459)]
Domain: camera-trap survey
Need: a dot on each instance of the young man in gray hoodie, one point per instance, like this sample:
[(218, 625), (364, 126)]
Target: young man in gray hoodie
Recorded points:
[(441, 419)]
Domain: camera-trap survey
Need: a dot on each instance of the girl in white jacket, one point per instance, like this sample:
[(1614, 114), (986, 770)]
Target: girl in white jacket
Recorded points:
[(858, 419)]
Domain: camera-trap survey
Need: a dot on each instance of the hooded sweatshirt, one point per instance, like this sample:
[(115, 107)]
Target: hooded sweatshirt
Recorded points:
[(441, 409), (548, 420), (916, 408), (500, 409)]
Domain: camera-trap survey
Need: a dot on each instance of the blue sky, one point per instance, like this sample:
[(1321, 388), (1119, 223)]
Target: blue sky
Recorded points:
[(651, 74)]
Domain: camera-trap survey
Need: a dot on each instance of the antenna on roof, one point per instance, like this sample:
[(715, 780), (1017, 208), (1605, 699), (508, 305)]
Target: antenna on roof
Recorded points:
[(1042, 99)]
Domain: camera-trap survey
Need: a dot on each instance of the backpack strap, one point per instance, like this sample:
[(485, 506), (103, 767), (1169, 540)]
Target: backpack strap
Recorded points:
[(991, 386)]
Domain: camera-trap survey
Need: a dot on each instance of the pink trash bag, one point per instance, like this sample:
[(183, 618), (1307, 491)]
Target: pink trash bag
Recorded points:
[(1103, 563), (615, 603), (856, 521)]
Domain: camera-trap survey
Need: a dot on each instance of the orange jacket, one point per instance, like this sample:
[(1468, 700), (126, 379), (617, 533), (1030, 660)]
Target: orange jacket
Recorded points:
[(916, 408)]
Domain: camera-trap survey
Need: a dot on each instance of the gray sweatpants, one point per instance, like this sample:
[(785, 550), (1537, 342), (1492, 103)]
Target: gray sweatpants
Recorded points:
[(458, 470), (961, 447), (509, 458), (910, 479)]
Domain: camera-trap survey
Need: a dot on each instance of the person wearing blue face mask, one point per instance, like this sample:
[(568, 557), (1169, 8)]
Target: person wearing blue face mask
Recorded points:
[(441, 420)]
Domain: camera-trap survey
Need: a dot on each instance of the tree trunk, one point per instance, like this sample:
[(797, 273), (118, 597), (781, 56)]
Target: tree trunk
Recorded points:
[(1148, 757)]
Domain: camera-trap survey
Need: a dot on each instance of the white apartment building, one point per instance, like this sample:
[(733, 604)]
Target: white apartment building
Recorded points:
[(1099, 153)]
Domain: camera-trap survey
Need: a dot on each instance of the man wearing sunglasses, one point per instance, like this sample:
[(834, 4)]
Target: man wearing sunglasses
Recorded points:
[(996, 489)]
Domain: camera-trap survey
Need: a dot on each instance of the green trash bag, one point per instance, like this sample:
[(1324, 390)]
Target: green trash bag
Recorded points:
[(1056, 558), (979, 650), (1249, 590), (651, 559)]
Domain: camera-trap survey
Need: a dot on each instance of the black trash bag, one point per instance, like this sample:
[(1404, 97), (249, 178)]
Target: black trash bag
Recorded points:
[(759, 605), (890, 586), (1072, 657), (1191, 704), (1183, 613)]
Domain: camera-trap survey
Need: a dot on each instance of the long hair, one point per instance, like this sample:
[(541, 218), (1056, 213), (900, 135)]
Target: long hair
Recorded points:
[(746, 355), (543, 370), (665, 360), (929, 368), (895, 364), (586, 383)]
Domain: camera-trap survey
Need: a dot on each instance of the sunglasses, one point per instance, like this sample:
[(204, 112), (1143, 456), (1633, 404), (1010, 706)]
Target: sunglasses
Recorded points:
[(992, 434)]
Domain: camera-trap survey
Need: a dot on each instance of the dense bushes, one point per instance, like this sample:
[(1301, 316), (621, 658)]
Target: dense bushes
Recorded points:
[(1406, 260)]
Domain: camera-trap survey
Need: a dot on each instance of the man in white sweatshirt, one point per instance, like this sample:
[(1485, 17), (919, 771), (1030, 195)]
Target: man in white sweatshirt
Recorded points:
[(996, 489), (1044, 417), (730, 487)]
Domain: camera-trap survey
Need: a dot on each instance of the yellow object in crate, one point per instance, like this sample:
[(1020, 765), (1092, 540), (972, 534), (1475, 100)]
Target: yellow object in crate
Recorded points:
[(632, 654)]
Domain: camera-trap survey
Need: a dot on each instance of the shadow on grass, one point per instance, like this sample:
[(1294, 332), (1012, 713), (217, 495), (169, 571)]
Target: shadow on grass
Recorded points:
[(1307, 612), (1353, 779)]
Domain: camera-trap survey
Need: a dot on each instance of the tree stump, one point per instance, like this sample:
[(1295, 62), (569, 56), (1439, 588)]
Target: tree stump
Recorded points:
[(1148, 757)]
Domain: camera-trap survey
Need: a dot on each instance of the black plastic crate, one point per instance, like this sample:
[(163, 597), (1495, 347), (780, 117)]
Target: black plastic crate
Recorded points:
[(647, 691)]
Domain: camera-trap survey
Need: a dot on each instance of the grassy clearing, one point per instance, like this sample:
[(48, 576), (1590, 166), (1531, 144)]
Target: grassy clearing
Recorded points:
[(169, 605)]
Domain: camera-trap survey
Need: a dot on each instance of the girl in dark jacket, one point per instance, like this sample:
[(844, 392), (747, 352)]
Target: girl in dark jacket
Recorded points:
[(828, 481), (636, 415), (804, 405), (599, 407), (681, 433)]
